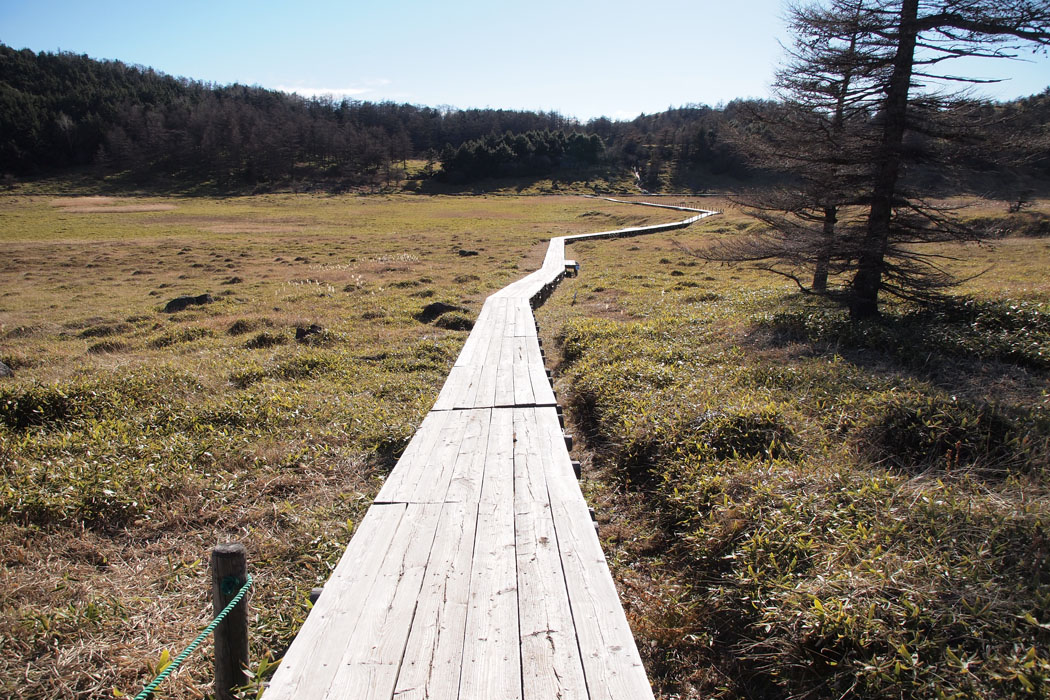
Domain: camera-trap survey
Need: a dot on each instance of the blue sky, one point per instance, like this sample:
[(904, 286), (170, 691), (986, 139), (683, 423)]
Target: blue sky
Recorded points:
[(583, 59)]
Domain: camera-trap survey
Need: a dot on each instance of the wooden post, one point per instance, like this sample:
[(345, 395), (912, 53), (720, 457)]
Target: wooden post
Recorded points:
[(229, 568)]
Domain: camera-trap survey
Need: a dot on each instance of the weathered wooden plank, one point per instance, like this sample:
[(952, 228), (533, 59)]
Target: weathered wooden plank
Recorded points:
[(498, 485), (455, 387), (554, 459), (524, 322), (611, 663), (491, 657), (484, 370), (527, 286), (468, 355), (413, 465), (472, 381), (449, 465), (484, 393), (468, 476), (312, 661), (542, 466), (542, 390), (434, 653), (530, 483), (550, 658), (555, 258), (433, 476), (506, 390), (372, 658), (523, 392)]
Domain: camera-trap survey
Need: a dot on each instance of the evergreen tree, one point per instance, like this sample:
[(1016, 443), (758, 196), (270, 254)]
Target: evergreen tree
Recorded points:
[(920, 34)]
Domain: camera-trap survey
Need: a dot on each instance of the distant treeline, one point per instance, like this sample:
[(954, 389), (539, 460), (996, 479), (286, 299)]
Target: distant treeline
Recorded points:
[(529, 153), (60, 111)]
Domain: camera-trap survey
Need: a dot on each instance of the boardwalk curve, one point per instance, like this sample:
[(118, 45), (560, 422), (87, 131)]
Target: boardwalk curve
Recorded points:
[(477, 574)]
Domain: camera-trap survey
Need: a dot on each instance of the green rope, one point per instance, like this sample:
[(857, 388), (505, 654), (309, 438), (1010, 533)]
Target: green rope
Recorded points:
[(174, 665)]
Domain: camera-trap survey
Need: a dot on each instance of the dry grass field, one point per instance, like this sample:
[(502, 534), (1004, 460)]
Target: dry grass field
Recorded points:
[(792, 506), (132, 440)]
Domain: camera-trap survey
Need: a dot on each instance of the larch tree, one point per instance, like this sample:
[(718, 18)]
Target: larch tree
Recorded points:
[(863, 111), (921, 35), (817, 136)]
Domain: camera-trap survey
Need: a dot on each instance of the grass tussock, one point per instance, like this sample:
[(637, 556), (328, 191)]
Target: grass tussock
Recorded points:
[(797, 506)]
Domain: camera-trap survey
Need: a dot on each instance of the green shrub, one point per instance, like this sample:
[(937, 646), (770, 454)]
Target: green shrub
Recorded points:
[(758, 432), (38, 404), (265, 339), (455, 321), (308, 365), (916, 433), (246, 325), (105, 329), (1026, 224), (576, 337), (180, 335), (1011, 332), (106, 347)]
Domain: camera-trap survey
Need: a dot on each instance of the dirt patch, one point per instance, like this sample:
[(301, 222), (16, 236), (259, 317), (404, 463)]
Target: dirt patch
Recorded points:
[(105, 205), (250, 227), (475, 214), (234, 225), (120, 209), (82, 201)]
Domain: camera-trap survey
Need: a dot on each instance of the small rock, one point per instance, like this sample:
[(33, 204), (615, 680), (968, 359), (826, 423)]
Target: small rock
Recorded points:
[(6, 371), (302, 334), (467, 253), (183, 302), (432, 311)]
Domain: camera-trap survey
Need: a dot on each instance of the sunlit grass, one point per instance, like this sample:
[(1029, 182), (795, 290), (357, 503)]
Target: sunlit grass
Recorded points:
[(132, 440), (797, 506), (791, 504)]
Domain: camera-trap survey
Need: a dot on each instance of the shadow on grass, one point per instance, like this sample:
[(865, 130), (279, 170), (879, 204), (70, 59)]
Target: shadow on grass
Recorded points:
[(1013, 333), (963, 347)]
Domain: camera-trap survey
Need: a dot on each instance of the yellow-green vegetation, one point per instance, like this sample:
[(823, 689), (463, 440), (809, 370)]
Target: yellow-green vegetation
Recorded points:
[(798, 507), (133, 439)]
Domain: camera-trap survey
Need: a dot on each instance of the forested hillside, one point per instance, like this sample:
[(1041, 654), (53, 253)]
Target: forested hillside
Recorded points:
[(61, 111)]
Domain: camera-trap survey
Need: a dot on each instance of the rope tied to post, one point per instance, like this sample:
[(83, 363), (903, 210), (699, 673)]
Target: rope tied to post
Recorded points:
[(229, 584)]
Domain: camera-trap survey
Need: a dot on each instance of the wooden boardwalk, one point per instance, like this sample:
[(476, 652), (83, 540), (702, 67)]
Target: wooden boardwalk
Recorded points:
[(477, 573)]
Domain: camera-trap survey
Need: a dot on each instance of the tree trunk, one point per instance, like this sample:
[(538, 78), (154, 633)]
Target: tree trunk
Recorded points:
[(868, 280), (820, 271)]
